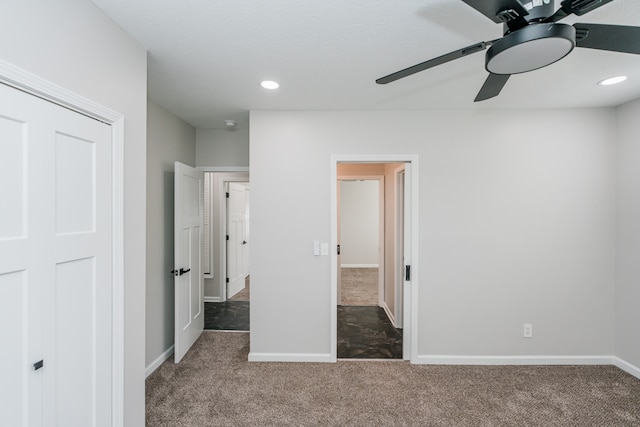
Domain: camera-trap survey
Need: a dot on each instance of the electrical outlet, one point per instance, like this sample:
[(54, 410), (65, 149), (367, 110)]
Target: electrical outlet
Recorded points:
[(528, 330)]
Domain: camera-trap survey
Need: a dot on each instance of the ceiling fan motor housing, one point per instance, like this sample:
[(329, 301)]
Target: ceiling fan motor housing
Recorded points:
[(529, 48)]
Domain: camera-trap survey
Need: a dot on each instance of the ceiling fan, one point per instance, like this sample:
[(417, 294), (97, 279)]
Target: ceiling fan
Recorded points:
[(532, 39)]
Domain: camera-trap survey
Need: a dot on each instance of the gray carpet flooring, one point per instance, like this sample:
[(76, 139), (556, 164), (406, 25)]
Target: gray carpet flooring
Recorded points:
[(245, 294), (214, 385), (359, 286)]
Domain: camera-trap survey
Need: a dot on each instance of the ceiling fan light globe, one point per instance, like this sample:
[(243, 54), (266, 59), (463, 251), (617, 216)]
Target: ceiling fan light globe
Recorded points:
[(529, 48)]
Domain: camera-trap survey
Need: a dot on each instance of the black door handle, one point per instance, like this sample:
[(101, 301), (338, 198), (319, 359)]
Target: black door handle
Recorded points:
[(182, 271), (244, 242)]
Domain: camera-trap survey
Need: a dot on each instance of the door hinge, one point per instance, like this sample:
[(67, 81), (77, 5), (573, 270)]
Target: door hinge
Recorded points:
[(227, 280), (407, 273), (227, 194), (227, 237), (338, 249)]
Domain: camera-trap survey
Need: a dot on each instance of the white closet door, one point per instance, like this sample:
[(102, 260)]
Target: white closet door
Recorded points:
[(55, 264)]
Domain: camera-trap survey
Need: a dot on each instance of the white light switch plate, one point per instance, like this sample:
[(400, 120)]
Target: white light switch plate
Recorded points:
[(316, 247), (324, 249)]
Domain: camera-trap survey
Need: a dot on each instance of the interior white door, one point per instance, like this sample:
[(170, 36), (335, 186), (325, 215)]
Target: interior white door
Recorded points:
[(55, 265), (237, 240), (406, 289), (189, 279)]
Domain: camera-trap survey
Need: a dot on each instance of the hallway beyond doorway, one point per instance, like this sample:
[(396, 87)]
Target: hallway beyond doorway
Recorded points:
[(359, 286)]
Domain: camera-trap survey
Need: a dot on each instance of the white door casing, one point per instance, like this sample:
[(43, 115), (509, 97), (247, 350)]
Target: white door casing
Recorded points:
[(237, 243), (189, 279), (399, 273), (56, 264), (408, 265)]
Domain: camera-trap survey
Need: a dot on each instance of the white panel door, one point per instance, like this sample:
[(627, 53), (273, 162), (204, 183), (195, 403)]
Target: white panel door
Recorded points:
[(189, 278), (55, 265), (237, 242)]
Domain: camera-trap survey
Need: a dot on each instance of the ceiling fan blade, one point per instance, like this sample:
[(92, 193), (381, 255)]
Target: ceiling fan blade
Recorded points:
[(580, 7), (577, 7), (499, 11), (433, 62), (615, 38), (492, 86)]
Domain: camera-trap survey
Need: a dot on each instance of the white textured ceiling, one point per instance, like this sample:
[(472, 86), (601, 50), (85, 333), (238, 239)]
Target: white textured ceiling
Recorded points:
[(208, 57)]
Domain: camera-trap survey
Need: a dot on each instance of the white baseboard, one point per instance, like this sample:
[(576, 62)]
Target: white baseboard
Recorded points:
[(515, 360), (390, 315), (159, 361), (211, 299), (627, 367), (359, 266), (290, 357)]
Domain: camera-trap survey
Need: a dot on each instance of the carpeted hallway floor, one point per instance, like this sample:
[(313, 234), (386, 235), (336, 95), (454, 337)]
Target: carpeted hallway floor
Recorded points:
[(214, 385), (359, 286)]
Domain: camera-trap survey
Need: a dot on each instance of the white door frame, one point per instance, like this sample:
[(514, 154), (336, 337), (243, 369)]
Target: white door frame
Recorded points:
[(30, 83), (222, 222), (381, 236), (398, 264), (412, 327)]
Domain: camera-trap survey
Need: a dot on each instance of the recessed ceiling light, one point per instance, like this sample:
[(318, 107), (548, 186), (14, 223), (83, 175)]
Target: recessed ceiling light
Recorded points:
[(269, 84), (612, 80)]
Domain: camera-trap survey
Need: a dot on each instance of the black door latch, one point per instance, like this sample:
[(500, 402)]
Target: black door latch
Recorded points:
[(180, 272)]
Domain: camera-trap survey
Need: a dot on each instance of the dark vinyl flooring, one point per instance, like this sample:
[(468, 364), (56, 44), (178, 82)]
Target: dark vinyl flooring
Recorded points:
[(226, 316), (364, 332)]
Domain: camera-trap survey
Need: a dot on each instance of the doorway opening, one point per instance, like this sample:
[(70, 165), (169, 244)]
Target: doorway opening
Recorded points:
[(227, 250), (371, 220), (366, 300)]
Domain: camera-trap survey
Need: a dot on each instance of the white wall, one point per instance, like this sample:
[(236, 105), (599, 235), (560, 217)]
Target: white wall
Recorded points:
[(627, 307), (516, 220), (74, 45), (169, 139), (359, 223), (222, 147)]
